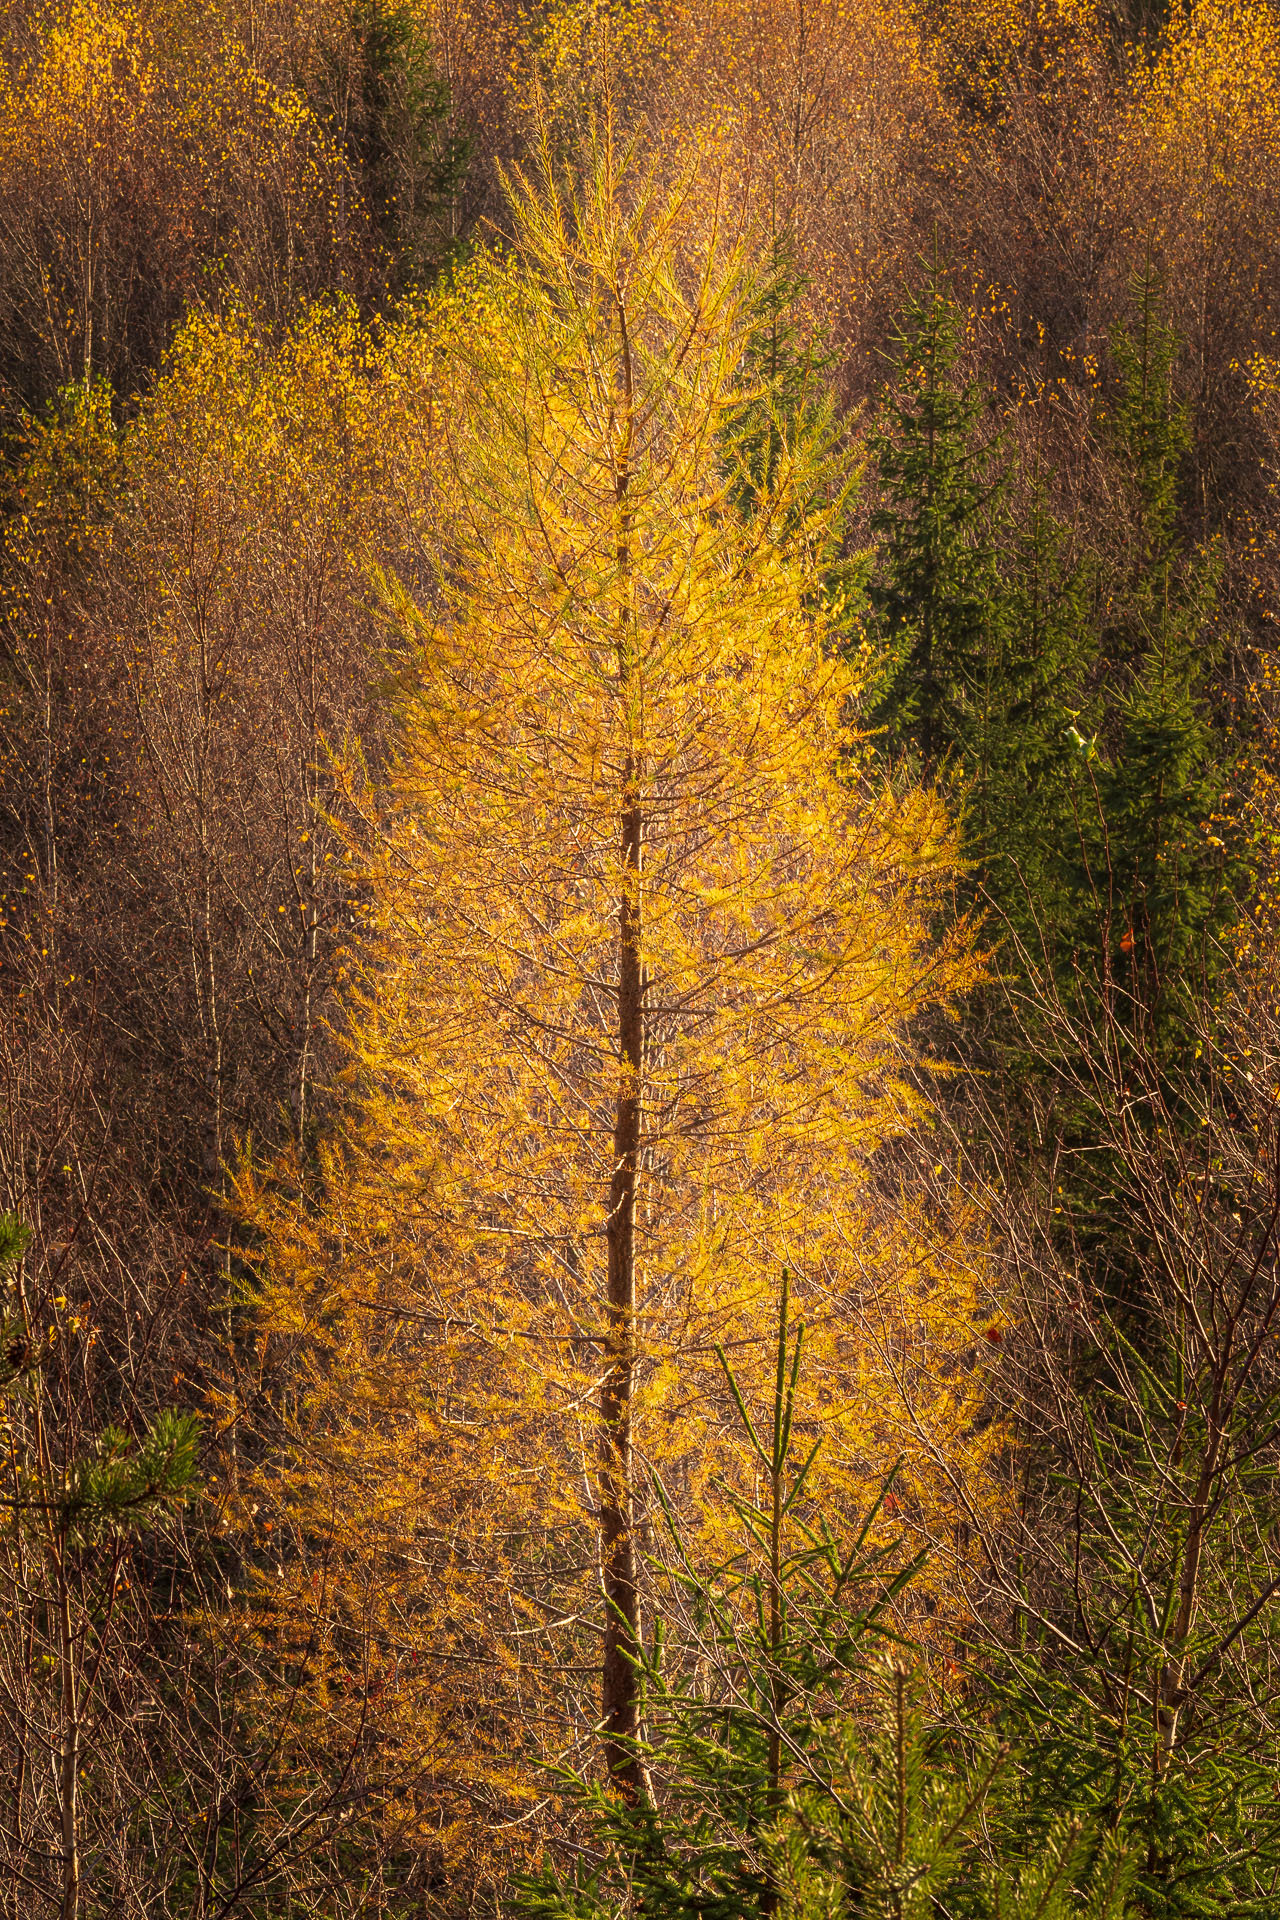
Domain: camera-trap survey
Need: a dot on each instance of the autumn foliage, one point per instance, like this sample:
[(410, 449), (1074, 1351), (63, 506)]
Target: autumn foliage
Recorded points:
[(638, 864)]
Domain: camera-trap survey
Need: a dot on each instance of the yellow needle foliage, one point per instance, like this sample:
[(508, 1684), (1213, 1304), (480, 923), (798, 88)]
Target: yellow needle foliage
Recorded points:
[(628, 625)]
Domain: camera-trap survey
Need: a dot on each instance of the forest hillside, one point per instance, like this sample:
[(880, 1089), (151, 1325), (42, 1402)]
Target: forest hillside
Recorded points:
[(639, 959)]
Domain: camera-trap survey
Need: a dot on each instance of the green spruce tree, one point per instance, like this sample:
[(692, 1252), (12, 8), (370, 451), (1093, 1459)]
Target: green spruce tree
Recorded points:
[(985, 626), (935, 592), (790, 1764), (1067, 702), (394, 120), (1038, 726), (1159, 877)]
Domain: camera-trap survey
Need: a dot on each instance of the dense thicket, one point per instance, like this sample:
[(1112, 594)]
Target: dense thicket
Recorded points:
[(637, 710)]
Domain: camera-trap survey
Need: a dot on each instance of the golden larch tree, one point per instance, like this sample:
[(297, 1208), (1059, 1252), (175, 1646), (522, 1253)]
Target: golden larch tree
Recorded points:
[(645, 937)]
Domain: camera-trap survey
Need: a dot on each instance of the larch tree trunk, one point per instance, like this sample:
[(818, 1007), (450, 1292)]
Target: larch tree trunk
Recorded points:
[(619, 1690)]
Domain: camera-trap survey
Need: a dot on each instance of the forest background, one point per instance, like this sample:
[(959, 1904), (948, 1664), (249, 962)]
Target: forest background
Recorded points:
[(639, 1022)]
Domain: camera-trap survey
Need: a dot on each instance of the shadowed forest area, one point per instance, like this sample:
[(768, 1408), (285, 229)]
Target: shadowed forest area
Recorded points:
[(639, 960)]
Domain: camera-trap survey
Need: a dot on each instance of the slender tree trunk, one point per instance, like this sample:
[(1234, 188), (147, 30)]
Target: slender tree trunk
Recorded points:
[(69, 1756), (67, 1767), (68, 1760), (617, 1539), (1172, 1672), (779, 1444), (619, 1691)]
